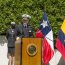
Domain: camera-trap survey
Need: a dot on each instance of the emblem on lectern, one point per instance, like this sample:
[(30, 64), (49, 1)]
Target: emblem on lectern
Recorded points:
[(32, 49)]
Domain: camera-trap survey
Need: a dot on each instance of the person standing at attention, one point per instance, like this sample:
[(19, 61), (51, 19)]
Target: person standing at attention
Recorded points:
[(11, 38)]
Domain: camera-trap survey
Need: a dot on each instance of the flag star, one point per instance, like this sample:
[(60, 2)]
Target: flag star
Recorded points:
[(44, 24)]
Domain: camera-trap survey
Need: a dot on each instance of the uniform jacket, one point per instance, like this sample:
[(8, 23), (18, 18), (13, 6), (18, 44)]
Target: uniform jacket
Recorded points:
[(25, 31), (11, 37)]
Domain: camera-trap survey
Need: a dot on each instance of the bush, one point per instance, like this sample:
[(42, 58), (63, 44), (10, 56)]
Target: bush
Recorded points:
[(11, 10)]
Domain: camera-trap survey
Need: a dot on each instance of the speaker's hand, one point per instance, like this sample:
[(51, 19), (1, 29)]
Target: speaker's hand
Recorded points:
[(17, 38)]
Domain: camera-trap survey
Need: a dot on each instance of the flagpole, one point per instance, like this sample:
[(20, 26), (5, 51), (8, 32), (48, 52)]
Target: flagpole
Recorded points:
[(45, 8)]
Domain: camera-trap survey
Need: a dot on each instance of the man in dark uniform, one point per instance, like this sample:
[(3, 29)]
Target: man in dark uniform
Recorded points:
[(24, 30), (11, 37)]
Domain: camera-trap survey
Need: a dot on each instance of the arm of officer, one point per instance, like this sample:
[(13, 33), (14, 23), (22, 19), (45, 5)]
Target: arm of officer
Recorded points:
[(19, 34)]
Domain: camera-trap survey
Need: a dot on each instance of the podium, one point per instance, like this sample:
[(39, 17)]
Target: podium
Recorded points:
[(31, 52)]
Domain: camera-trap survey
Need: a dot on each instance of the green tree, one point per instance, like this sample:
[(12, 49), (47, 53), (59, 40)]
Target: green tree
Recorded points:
[(11, 10)]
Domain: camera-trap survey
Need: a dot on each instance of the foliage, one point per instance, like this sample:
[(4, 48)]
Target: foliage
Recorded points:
[(11, 10)]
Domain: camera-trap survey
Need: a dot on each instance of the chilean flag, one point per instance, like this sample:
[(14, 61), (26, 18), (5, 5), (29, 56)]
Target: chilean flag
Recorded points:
[(60, 41), (44, 31)]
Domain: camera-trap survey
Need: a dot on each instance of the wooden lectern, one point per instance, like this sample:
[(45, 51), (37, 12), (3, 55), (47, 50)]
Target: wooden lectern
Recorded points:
[(31, 52)]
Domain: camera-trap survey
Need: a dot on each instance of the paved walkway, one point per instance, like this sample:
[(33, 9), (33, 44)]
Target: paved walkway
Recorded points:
[(3, 55)]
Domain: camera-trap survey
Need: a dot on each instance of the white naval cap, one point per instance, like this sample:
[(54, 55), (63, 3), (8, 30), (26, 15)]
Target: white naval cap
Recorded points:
[(26, 16), (13, 23)]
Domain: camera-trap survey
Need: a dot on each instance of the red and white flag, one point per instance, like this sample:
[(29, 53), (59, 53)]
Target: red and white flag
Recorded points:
[(45, 32)]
